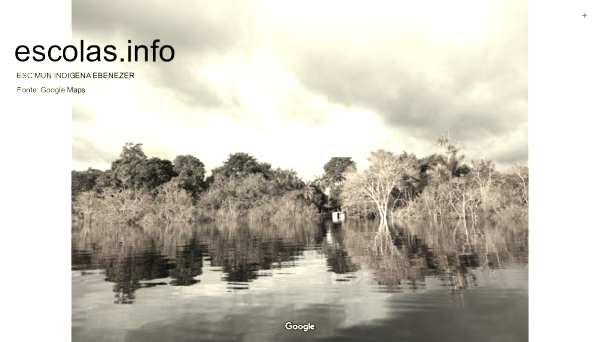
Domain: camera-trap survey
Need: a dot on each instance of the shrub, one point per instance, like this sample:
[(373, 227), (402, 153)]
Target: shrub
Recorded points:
[(173, 204), (122, 205)]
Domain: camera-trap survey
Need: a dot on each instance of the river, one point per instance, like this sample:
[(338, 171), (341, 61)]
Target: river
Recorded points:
[(350, 281)]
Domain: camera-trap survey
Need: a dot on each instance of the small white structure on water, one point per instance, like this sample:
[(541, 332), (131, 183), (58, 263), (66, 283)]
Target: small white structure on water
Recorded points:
[(338, 216)]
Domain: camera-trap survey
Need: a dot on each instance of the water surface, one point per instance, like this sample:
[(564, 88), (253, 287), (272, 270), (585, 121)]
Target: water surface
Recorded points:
[(415, 281)]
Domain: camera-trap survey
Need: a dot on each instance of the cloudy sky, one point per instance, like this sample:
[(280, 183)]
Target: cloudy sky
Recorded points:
[(296, 83)]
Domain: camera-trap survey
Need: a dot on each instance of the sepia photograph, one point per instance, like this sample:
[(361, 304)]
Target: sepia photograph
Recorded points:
[(297, 170)]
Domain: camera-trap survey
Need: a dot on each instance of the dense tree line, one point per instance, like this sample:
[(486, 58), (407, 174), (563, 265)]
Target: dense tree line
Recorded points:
[(137, 188), (435, 187), (141, 189)]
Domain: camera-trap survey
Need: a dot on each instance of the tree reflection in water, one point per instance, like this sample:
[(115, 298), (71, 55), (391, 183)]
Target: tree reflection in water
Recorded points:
[(400, 256)]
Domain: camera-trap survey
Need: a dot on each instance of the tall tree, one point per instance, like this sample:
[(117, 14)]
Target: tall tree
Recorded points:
[(106, 180), (135, 173), (443, 142), (335, 176), (82, 181), (522, 171), (124, 171), (453, 156), (190, 172), (133, 150), (337, 166), (154, 172), (387, 172), (241, 164)]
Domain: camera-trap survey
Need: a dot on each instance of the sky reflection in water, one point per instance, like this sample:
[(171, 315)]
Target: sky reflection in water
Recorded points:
[(414, 282)]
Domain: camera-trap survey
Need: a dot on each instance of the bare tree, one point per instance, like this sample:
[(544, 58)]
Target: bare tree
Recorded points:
[(483, 171), (522, 171), (387, 172)]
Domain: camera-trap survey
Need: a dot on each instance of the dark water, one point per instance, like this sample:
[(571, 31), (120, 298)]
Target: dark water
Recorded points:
[(353, 281)]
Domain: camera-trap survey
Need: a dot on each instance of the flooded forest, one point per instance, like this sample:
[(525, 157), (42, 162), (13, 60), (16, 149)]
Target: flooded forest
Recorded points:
[(426, 249)]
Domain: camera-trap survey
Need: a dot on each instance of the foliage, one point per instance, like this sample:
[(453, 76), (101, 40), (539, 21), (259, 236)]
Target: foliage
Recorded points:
[(84, 205), (337, 166), (147, 174), (105, 180), (450, 156), (439, 187), (482, 193), (240, 164), (258, 198), (137, 189), (443, 142), (290, 208), (174, 204), (389, 178), (431, 161), (124, 206), (82, 181), (133, 150), (142, 190), (190, 172), (522, 172), (331, 183)]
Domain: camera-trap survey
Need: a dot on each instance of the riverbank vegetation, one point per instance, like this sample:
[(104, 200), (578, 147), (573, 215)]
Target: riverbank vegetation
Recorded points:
[(436, 187), (138, 189)]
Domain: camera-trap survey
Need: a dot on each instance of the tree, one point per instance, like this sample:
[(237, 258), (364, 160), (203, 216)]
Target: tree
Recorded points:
[(105, 180), (190, 171), (443, 142), (82, 181), (335, 176), (124, 171), (452, 158), (154, 172), (133, 150), (462, 170), (431, 161), (135, 173), (387, 172), (285, 179), (482, 172), (321, 182), (308, 191), (337, 166), (521, 170), (174, 204), (483, 169), (241, 164), (412, 181)]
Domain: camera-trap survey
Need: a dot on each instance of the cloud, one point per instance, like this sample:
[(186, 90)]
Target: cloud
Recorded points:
[(83, 116), (86, 151), (195, 26), (202, 34), (249, 70), (419, 83)]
